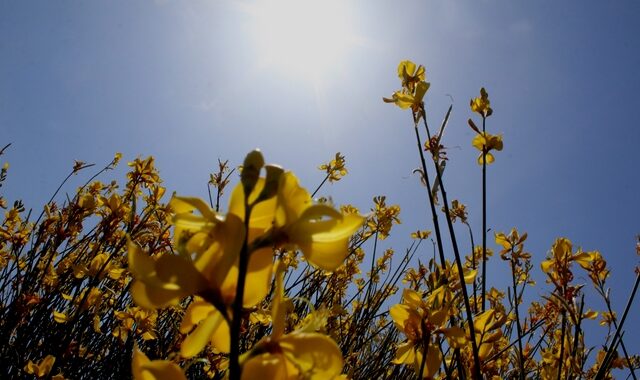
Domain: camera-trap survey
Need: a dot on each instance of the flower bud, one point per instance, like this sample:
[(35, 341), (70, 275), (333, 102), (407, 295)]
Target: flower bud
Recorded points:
[(253, 162)]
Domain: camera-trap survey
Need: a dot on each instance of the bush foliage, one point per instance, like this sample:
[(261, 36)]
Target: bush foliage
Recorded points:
[(116, 281)]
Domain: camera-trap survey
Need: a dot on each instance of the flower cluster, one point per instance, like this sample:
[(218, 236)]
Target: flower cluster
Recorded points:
[(226, 259), (414, 87)]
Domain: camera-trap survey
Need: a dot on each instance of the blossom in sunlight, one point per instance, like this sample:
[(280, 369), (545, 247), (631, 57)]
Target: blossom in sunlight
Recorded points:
[(414, 87), (410, 74), (422, 321), (481, 104), (383, 218), (513, 245), (209, 245), (303, 353), (485, 143), (208, 248), (558, 264), (405, 99), (420, 234), (335, 168), (487, 326), (291, 220), (144, 369), (457, 210)]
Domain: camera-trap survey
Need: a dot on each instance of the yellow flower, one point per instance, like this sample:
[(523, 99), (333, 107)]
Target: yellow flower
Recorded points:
[(486, 142), (335, 169), (303, 353), (481, 104), (207, 263), (405, 99), (410, 75), (41, 369), (145, 369), (558, 264), (291, 220), (487, 328), (513, 245), (414, 86), (212, 328), (421, 320)]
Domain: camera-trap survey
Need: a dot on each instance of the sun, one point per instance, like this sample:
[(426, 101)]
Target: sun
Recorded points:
[(304, 38)]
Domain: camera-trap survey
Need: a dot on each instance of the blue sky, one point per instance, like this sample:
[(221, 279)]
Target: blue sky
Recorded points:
[(188, 83)]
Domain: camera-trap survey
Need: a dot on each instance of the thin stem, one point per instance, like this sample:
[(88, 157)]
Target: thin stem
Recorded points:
[(463, 286), (518, 328), (563, 332), (436, 224), (484, 218), (617, 337), (236, 321), (473, 266), (607, 301), (320, 185), (425, 344)]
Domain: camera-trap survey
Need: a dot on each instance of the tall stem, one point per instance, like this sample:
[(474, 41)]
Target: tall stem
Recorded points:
[(617, 337), (474, 345), (519, 329), (484, 218), (236, 317), (436, 224)]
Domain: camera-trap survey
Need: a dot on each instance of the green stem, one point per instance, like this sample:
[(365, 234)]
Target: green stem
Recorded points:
[(617, 337), (236, 317), (563, 331), (436, 224), (320, 185), (484, 218), (463, 286), (518, 328)]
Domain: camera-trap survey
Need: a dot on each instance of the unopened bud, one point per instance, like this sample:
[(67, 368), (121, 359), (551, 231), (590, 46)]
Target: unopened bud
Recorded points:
[(253, 162)]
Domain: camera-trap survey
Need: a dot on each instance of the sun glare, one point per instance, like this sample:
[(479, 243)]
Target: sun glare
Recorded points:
[(301, 37)]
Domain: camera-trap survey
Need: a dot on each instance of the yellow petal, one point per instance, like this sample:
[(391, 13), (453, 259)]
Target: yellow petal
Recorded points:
[(406, 67), (144, 369), (546, 265), (45, 365), (405, 354), (140, 264), (278, 309), (481, 321), (434, 358), (315, 354), (262, 214), (185, 205), (265, 366), (292, 199), (583, 259), (400, 314), (150, 297), (455, 336), (421, 90), (60, 317), (479, 142), (327, 250), (177, 271), (402, 100), (470, 276), (502, 240), (198, 310), (258, 276), (210, 327)]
